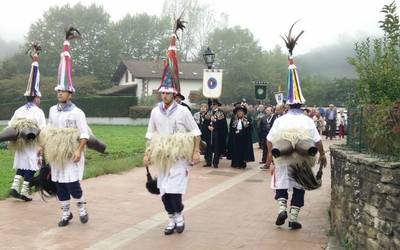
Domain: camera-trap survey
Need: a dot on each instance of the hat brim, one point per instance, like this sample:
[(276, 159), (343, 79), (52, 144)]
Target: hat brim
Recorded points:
[(60, 88), (167, 90), (235, 110)]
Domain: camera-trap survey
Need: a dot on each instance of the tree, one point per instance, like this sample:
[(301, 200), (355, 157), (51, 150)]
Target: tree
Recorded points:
[(239, 54), (200, 22), (142, 36), (7, 49), (91, 55), (377, 62)]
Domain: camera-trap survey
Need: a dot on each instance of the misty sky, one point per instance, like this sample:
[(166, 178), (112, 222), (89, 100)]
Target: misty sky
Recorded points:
[(325, 22)]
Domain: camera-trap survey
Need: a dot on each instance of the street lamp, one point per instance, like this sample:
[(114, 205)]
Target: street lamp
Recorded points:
[(209, 56)]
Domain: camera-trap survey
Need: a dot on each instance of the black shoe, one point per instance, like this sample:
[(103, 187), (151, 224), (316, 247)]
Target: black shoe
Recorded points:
[(84, 218), (294, 225), (25, 198), (180, 229), (262, 162), (215, 166), (169, 230), (14, 193), (207, 165), (280, 220), (63, 222)]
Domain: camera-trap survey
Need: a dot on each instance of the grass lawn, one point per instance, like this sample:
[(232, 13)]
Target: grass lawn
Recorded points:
[(125, 146)]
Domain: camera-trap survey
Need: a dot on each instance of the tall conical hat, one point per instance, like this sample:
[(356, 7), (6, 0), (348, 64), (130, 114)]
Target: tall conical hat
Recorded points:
[(64, 77), (294, 93), (33, 87), (170, 78)]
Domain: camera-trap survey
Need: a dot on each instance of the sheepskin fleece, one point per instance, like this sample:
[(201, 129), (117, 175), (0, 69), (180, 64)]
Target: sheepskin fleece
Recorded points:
[(20, 124), (165, 150), (295, 159), (293, 135), (59, 144)]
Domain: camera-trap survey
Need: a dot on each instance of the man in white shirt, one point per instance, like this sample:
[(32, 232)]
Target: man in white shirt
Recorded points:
[(292, 127), (168, 117), (66, 115), (27, 160)]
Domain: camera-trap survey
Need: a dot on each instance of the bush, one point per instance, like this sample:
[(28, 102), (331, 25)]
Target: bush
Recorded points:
[(96, 106), (376, 129), (140, 111), (13, 89)]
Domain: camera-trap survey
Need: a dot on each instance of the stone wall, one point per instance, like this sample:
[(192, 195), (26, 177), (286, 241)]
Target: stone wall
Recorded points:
[(365, 200)]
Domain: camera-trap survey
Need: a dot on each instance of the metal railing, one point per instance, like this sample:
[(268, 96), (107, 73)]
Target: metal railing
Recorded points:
[(374, 130)]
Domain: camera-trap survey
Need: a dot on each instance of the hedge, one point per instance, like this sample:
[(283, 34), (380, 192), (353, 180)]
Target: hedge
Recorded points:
[(95, 106), (144, 111)]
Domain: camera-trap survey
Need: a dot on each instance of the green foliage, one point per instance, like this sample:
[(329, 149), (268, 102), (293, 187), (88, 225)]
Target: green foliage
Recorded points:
[(375, 124), (377, 62), (14, 88), (125, 146), (390, 25), (91, 55), (140, 111), (201, 21), (241, 57), (142, 36), (322, 91), (375, 128), (95, 106)]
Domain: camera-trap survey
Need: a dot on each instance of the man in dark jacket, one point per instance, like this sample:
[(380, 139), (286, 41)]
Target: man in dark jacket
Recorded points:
[(215, 131), (179, 98), (240, 146), (265, 126)]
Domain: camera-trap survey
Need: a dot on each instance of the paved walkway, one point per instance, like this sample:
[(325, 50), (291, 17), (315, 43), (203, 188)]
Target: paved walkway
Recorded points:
[(225, 208)]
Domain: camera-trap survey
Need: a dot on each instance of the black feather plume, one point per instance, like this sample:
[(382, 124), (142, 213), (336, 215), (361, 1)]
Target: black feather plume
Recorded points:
[(33, 48), (72, 33), (291, 41), (179, 25)]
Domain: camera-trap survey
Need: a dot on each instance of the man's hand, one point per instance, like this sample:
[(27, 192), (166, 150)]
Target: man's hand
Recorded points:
[(146, 161), (77, 156), (322, 160), (271, 169), (211, 128), (196, 157)]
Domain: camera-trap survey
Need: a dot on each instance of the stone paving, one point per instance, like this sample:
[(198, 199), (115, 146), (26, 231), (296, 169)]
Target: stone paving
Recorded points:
[(225, 208)]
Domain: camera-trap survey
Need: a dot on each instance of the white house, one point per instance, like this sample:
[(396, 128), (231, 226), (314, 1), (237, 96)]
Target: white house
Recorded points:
[(142, 79)]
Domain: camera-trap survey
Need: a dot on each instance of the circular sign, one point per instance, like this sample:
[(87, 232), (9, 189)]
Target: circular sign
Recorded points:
[(212, 83), (260, 91)]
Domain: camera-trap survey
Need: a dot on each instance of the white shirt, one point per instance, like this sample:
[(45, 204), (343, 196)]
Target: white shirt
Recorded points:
[(291, 121), (176, 118), (75, 118), (296, 120), (27, 158)]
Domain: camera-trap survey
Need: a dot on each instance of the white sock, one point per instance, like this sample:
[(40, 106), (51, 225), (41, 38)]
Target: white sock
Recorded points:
[(65, 208), (171, 221), (294, 213), (25, 189), (282, 203), (16, 182), (179, 219), (80, 203)]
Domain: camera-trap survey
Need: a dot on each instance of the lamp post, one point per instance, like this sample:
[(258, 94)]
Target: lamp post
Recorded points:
[(209, 57), (212, 78)]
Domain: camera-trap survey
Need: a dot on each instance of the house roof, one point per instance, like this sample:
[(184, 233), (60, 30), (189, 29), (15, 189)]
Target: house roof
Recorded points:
[(153, 69), (119, 90)]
